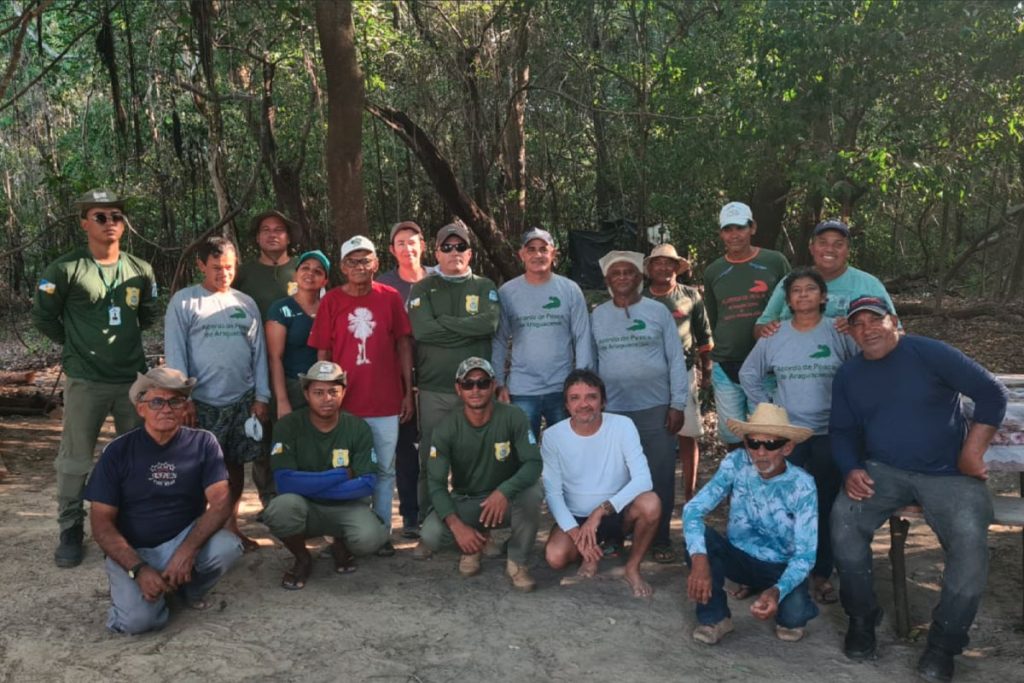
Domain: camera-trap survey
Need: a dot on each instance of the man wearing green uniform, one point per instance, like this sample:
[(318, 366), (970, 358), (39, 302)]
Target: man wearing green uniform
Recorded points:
[(267, 279), (325, 470), (736, 289), (454, 314), (495, 468), (95, 301)]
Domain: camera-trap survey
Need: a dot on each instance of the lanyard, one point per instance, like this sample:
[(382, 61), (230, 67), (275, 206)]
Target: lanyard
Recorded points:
[(109, 293)]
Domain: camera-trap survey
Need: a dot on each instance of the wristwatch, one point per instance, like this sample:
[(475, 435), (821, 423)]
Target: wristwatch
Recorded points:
[(133, 573)]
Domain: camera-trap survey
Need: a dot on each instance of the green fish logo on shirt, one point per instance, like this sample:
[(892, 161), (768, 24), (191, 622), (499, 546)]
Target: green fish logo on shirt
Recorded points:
[(239, 313), (637, 326), (822, 352), (553, 302)]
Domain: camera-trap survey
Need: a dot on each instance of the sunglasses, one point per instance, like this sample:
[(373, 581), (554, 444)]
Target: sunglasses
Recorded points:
[(483, 383), (451, 246), (101, 218), (773, 445), (158, 404)]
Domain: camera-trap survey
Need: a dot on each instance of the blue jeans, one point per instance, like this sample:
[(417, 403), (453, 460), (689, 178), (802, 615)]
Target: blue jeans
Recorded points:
[(957, 508), (729, 562), (730, 403), (385, 440), (131, 613), (815, 456), (550, 406), (660, 450)]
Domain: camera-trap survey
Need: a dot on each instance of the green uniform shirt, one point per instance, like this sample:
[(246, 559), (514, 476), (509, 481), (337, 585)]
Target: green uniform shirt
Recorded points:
[(501, 455), (451, 321), (687, 308), (98, 315), (298, 445), (266, 284), (735, 294)]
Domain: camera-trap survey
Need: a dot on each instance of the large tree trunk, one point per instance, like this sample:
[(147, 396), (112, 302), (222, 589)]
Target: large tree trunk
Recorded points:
[(344, 118), (514, 137), (491, 241), (769, 207), (108, 55), (603, 187)]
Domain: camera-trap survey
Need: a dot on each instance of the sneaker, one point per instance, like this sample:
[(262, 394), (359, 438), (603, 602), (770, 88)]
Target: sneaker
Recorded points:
[(469, 565), (935, 666), (520, 576), (410, 530), (69, 552), (711, 634), (386, 550), (789, 635), (860, 640), (422, 552)]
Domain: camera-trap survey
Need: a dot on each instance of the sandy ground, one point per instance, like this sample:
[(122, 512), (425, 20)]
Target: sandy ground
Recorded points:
[(398, 619)]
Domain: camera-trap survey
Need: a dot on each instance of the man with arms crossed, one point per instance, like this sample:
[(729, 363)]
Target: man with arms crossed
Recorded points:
[(597, 484), (544, 319), (899, 436), (95, 302), (159, 499)]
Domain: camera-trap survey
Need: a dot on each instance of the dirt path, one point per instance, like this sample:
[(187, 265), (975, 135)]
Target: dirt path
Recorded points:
[(401, 620)]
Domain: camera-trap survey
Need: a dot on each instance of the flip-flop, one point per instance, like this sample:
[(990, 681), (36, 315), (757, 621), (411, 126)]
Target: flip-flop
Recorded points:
[(345, 568), (343, 563), (292, 581), (663, 555), (825, 593), (742, 592), (199, 605)]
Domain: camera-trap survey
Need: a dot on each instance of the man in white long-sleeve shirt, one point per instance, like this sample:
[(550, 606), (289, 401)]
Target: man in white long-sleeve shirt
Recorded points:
[(597, 483)]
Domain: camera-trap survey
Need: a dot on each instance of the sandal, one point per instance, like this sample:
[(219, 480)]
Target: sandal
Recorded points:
[(825, 593), (663, 554), (344, 561), (742, 592), (292, 581)]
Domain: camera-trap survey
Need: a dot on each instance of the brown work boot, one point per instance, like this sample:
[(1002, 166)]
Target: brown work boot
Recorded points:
[(469, 565), (421, 551), (520, 576)]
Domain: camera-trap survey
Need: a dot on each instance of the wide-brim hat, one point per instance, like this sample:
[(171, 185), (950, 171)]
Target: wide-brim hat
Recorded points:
[(100, 197), (323, 371), (633, 257), (668, 251), (162, 377), (254, 223), (769, 418)]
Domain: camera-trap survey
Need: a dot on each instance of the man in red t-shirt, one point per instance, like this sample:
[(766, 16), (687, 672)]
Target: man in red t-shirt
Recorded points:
[(363, 327)]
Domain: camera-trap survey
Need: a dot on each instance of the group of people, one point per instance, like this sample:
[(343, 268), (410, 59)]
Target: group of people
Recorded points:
[(482, 402)]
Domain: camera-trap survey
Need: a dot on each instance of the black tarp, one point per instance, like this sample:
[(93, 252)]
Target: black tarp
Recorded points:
[(587, 246)]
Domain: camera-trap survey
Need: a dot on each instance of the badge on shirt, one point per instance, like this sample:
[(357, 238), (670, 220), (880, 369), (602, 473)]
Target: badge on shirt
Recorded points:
[(131, 296), (433, 451), (277, 449), (293, 288), (472, 303), (238, 314), (502, 451), (414, 303), (339, 457), (47, 287), (114, 316)]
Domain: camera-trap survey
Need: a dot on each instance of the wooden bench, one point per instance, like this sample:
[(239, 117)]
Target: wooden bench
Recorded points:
[(1008, 511)]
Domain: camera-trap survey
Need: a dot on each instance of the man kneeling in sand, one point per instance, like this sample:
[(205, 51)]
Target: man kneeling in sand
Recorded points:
[(325, 470), (597, 483), (772, 536), (159, 499)]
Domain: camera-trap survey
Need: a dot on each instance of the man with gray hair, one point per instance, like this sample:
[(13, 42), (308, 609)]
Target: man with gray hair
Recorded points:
[(160, 499)]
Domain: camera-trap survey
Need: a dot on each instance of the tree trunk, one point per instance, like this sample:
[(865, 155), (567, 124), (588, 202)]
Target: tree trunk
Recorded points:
[(491, 241), (344, 151), (603, 187), (769, 206), (514, 138), (108, 55)]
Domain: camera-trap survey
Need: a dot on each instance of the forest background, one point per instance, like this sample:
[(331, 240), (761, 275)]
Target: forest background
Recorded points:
[(905, 118)]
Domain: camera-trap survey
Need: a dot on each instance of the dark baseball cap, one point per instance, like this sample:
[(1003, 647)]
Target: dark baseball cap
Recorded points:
[(832, 224), (457, 229), (404, 225), (868, 303), (94, 198)]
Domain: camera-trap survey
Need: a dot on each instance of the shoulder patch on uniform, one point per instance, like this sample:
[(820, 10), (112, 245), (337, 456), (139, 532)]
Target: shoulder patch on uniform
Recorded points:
[(531, 437), (373, 456), (47, 287), (493, 295), (153, 291)]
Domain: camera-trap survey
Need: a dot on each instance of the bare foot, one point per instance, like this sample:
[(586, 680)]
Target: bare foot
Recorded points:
[(641, 589), (741, 592), (587, 570)]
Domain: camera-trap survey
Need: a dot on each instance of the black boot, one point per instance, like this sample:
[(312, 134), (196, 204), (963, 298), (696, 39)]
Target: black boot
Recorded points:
[(69, 553), (860, 636), (935, 665)]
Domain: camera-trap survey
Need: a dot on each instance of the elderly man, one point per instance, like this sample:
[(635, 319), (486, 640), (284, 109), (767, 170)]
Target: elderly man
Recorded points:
[(269, 278), (641, 362), (687, 308), (830, 249), (736, 289), (454, 314), (492, 457), (215, 333), (325, 470), (772, 535), (159, 499), (406, 246), (597, 484), (899, 436), (362, 325), (544, 333), (94, 301)]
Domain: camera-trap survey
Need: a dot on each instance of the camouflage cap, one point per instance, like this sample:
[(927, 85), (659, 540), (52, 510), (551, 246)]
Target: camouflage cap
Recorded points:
[(473, 363), (323, 371)]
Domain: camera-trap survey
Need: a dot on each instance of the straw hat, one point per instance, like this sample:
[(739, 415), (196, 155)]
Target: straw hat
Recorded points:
[(668, 251), (769, 418)]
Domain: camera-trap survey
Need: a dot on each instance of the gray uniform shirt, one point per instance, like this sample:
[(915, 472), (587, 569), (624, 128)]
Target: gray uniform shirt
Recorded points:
[(804, 364), (549, 329), (639, 356), (218, 339)]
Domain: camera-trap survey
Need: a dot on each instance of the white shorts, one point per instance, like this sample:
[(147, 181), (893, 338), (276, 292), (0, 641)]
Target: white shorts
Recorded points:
[(692, 426)]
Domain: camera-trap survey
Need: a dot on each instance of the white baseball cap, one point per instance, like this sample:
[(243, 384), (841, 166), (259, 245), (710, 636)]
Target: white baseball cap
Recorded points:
[(735, 213), (357, 243)]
